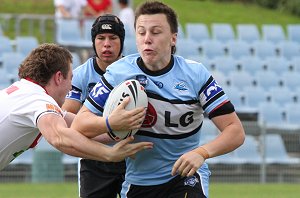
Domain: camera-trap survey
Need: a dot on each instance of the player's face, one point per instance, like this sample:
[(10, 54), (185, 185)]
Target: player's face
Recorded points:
[(154, 40), (108, 47)]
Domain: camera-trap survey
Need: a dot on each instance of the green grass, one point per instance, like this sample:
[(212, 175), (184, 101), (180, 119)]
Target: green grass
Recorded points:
[(217, 190), (203, 11)]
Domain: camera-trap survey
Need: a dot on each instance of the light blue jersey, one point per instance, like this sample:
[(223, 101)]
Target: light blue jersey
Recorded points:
[(178, 96), (84, 79)]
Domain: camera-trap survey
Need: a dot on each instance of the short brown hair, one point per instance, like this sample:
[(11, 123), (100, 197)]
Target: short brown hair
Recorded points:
[(156, 7), (44, 61)]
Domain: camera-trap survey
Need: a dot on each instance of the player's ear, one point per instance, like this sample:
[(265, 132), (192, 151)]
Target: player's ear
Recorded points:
[(58, 77)]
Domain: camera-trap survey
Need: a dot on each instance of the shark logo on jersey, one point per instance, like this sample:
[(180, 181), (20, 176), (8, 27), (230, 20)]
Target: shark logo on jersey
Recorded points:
[(181, 86), (191, 181), (211, 90)]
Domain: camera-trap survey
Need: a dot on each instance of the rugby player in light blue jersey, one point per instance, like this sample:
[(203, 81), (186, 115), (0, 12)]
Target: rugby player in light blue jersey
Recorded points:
[(180, 91)]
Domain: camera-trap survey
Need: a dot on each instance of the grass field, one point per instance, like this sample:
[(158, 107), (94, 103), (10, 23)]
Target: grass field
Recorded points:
[(69, 190)]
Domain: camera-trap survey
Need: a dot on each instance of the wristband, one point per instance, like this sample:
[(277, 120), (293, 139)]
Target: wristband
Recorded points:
[(107, 125), (202, 151)]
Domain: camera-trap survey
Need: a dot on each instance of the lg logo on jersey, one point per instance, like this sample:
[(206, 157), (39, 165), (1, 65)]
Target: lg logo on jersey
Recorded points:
[(106, 27), (184, 120)]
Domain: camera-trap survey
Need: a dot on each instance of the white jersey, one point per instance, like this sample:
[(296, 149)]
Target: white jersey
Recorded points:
[(22, 104)]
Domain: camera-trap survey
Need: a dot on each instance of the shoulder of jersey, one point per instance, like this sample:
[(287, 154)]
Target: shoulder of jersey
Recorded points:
[(138, 98)]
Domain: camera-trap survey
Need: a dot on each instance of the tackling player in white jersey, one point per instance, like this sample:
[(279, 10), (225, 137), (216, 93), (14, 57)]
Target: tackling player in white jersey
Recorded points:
[(30, 108)]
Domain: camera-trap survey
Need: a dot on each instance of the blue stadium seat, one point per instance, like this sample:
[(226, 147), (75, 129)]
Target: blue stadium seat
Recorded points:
[(249, 151), (11, 63), (212, 48), (76, 60), (6, 45), (276, 152), (224, 64), (293, 32), (276, 64), (87, 26), (291, 79), (273, 33), (295, 64), (293, 114), (129, 46), (240, 79), (238, 49), (187, 47), (281, 95), (250, 64), (247, 32), (197, 31), (254, 95), (289, 49), (271, 114), (25, 44), (267, 79), (68, 33), (222, 32), (264, 49)]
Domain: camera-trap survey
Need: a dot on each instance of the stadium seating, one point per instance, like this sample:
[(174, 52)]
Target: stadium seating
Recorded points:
[(224, 64), (276, 152), (6, 45), (212, 48), (264, 49), (292, 115), (68, 33), (249, 152), (197, 31), (291, 79), (293, 32), (222, 32), (11, 62), (187, 47), (273, 33), (238, 49), (281, 95), (247, 32), (267, 79), (271, 114), (87, 26), (253, 96), (76, 60), (276, 64), (289, 49), (240, 79), (25, 44), (250, 64), (129, 46)]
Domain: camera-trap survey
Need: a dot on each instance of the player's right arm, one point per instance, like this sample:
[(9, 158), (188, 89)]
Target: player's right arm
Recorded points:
[(120, 119), (69, 141), (71, 105)]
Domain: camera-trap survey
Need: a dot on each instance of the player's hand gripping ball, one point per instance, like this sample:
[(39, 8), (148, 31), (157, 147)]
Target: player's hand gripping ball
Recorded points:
[(138, 98)]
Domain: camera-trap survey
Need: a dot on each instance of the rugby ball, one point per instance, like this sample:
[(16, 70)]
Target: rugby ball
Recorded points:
[(138, 98)]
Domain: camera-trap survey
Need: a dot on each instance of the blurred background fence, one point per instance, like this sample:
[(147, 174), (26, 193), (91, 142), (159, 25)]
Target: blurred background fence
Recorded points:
[(258, 67)]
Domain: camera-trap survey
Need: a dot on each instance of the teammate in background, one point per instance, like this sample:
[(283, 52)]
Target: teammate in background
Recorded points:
[(98, 7), (98, 179), (30, 108), (126, 15), (180, 91)]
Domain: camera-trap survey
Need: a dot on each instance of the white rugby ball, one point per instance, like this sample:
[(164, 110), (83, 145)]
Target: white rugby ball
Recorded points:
[(138, 98)]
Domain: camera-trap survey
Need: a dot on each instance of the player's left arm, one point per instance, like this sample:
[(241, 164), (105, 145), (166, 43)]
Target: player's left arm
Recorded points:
[(231, 137)]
